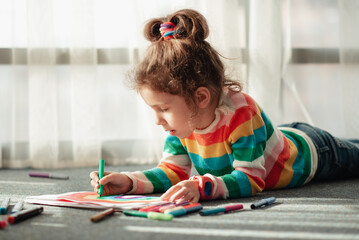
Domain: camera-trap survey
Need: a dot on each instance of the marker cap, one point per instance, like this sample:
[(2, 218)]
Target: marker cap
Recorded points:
[(150, 215), (3, 224), (3, 210), (4, 205), (11, 219), (233, 207), (160, 216)]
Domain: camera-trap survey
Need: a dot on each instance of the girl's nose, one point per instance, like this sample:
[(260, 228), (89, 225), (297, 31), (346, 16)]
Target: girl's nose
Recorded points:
[(160, 120)]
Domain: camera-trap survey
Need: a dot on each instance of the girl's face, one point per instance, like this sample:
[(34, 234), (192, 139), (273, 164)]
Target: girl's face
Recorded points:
[(172, 112)]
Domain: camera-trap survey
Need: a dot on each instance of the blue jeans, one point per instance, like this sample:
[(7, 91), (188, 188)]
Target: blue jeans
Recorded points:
[(338, 158)]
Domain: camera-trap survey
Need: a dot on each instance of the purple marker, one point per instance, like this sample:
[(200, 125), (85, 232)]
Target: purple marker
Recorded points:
[(130, 197), (48, 175), (154, 208)]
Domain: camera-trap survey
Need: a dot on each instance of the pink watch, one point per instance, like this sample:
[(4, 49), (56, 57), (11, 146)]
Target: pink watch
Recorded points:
[(205, 185)]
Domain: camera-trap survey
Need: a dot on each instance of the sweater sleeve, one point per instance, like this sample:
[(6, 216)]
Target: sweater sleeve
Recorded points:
[(174, 167), (248, 147), (247, 137)]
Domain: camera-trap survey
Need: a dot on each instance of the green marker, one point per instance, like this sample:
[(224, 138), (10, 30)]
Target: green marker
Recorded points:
[(101, 169), (150, 215)]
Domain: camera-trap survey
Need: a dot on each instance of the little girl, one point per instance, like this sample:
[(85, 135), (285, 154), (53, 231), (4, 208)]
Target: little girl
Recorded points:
[(218, 129)]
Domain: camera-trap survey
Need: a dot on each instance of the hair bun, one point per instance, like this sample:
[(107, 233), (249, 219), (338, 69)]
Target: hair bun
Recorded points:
[(152, 30), (189, 24)]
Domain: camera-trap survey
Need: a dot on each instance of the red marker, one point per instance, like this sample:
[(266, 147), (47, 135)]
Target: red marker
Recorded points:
[(172, 206)]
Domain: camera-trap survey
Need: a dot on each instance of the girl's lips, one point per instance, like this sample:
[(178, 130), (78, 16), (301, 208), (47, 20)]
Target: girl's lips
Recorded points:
[(172, 132)]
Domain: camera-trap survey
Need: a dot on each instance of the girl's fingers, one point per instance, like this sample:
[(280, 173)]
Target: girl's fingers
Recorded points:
[(182, 199), (166, 196), (107, 178), (94, 176), (93, 184), (194, 200), (182, 193)]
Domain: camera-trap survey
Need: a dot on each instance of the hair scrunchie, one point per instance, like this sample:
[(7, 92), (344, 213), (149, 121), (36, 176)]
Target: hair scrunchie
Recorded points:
[(168, 31)]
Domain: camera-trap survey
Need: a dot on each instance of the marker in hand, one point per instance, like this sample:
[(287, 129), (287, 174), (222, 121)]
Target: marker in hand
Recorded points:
[(101, 169)]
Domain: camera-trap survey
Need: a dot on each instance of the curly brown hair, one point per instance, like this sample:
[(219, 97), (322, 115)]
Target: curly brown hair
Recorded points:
[(184, 63)]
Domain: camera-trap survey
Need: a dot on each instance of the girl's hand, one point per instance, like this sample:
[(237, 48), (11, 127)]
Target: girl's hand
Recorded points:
[(112, 182), (186, 190)]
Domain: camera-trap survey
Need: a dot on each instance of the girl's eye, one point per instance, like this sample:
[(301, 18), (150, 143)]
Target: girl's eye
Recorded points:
[(164, 109)]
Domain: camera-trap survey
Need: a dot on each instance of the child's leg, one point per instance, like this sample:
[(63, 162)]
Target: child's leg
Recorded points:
[(337, 158)]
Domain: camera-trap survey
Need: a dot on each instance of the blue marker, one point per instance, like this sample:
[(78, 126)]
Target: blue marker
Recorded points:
[(4, 205), (183, 210), (263, 202), (221, 209)]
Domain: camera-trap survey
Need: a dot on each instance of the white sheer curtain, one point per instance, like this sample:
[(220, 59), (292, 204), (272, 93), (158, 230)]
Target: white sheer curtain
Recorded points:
[(349, 64), (269, 53), (63, 100), (63, 64)]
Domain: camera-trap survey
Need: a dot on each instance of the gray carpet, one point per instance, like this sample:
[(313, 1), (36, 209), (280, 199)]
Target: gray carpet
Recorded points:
[(328, 210)]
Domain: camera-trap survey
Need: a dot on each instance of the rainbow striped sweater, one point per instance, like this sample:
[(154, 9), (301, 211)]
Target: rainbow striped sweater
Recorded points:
[(240, 152)]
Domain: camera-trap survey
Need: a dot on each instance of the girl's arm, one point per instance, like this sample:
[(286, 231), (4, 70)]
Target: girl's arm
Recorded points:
[(245, 180), (174, 167), (248, 136)]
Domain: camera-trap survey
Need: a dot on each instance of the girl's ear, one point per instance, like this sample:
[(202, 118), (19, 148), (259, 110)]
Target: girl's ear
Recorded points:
[(203, 97)]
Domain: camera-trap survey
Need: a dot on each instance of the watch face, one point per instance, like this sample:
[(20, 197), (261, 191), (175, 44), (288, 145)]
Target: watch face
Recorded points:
[(208, 189)]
